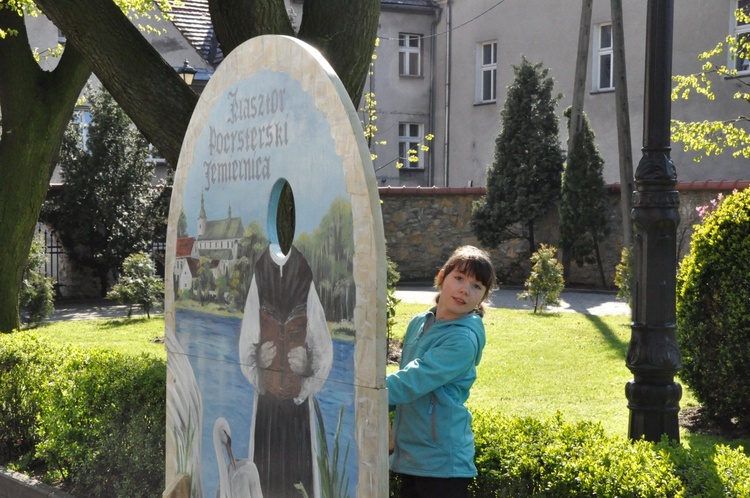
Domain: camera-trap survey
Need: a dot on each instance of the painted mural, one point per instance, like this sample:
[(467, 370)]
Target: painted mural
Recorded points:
[(261, 333)]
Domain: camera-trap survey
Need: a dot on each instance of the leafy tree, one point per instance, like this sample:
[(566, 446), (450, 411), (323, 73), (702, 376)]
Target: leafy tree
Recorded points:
[(37, 105), (105, 211), (37, 290), (545, 283), (583, 200), (523, 182), (138, 284), (717, 136)]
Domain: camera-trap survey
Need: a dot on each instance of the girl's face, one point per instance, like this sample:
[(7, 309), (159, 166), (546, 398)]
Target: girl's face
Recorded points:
[(460, 294)]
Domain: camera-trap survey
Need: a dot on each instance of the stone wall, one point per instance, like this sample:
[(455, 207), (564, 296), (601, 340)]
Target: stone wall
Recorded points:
[(423, 225)]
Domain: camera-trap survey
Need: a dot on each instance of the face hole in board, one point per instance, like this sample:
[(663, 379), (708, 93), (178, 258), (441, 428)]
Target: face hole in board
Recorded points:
[(281, 217)]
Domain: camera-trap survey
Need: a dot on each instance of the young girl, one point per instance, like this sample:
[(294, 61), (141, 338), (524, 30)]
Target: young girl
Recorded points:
[(433, 442)]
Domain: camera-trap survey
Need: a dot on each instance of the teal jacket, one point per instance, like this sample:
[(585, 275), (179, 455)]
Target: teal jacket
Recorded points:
[(431, 426)]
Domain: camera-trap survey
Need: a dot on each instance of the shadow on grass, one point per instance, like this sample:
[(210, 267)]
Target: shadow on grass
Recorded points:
[(609, 335), (114, 323)]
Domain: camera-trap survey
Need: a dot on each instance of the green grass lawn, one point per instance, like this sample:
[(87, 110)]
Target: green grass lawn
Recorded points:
[(533, 365), (125, 335)]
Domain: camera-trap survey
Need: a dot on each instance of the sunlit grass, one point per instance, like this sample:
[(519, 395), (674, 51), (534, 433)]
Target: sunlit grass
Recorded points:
[(124, 335)]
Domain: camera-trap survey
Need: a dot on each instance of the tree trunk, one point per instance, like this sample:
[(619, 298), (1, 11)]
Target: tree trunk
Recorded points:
[(579, 90), (262, 17), (623, 121), (530, 238), (579, 84), (344, 31), (143, 84), (600, 264), (149, 89), (37, 107)]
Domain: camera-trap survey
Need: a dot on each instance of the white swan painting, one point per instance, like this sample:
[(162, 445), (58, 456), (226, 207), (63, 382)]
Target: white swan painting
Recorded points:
[(237, 478)]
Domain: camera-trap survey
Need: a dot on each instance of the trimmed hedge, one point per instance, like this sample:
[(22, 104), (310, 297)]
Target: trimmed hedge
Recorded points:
[(525, 457), (96, 420), (713, 292), (89, 417)]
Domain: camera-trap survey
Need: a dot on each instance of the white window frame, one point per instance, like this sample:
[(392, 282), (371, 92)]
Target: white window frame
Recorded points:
[(82, 119), (736, 61), (410, 54), (486, 79), (410, 137), (604, 52), (154, 156)]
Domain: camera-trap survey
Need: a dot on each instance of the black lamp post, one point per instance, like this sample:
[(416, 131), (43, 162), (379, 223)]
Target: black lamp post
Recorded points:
[(187, 72), (654, 354)]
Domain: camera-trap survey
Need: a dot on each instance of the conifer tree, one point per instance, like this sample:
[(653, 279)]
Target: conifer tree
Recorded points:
[(108, 206), (583, 202), (523, 182)]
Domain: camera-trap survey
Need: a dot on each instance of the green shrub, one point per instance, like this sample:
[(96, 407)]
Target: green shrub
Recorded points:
[(624, 275), (92, 418), (37, 295), (713, 292), (138, 284), (545, 284), (525, 457), (22, 376)]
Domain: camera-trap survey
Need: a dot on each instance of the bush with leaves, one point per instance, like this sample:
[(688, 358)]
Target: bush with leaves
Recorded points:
[(545, 283), (520, 457), (138, 284), (624, 275), (37, 296), (526, 457), (713, 292), (89, 417)]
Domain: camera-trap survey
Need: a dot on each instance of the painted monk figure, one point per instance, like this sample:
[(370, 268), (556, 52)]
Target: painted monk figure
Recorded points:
[(286, 353)]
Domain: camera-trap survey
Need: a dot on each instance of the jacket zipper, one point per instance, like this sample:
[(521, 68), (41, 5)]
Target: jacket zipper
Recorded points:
[(431, 413)]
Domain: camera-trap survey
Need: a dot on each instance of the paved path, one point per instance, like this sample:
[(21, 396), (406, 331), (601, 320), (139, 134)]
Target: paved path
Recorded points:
[(581, 301)]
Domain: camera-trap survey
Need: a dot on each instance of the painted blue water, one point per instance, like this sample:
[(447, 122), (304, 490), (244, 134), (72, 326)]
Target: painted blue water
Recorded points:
[(211, 341)]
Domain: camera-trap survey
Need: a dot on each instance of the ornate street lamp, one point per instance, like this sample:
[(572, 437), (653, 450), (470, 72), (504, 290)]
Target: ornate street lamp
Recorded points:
[(187, 72), (654, 353)]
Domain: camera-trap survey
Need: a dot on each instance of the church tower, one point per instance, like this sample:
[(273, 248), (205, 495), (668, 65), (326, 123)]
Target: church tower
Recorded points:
[(202, 220)]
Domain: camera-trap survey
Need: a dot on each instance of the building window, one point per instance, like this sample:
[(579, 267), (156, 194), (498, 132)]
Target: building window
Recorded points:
[(409, 136), (82, 119), (409, 54), (486, 72), (603, 70), (154, 156), (741, 59)]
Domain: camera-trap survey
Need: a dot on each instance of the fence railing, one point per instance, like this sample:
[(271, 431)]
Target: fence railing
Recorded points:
[(53, 251)]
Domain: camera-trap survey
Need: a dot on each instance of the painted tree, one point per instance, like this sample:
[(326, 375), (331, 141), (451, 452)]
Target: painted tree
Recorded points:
[(37, 105), (106, 209), (583, 200), (523, 182)]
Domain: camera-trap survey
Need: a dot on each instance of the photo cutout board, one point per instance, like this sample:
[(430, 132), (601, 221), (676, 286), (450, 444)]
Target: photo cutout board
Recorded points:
[(275, 309)]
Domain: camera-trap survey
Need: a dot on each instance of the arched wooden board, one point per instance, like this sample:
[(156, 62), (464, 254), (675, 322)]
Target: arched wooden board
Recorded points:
[(257, 337)]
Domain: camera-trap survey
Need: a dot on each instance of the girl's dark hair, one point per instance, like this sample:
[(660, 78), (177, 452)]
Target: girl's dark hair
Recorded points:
[(471, 261)]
